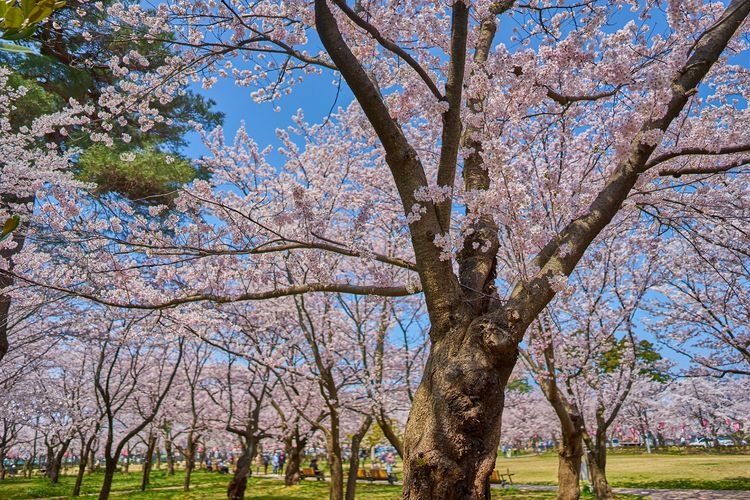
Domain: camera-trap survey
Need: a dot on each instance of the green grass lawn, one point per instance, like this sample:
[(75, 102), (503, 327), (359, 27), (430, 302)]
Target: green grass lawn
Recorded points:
[(703, 471), (209, 486), (624, 470)]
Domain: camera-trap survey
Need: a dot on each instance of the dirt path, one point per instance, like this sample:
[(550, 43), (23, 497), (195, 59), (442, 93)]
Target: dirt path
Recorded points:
[(659, 494), (686, 494)]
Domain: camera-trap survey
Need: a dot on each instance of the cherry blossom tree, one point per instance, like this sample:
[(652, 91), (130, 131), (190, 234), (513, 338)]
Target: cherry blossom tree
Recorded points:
[(124, 368), (703, 313), (586, 355), (621, 111)]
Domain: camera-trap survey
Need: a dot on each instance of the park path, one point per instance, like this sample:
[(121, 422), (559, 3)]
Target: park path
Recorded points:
[(686, 494), (657, 494)]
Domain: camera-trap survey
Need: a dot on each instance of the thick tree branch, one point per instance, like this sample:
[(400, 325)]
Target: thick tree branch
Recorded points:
[(383, 291), (564, 100), (440, 285), (451, 136), (477, 265), (716, 169), (656, 160), (560, 256)]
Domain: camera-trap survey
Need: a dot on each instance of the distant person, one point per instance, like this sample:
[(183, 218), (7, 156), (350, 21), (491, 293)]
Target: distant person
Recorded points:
[(275, 463), (318, 473), (265, 463), (389, 471)]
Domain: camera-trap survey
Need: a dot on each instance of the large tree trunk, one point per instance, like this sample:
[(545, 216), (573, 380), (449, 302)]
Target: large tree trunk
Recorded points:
[(170, 456), (453, 429), (351, 482), (238, 484), (597, 455), (189, 460), (53, 469), (569, 466), (2, 463), (148, 461), (110, 467), (294, 459), (85, 452)]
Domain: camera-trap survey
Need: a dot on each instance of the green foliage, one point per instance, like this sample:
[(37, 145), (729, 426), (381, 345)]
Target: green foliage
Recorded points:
[(649, 359), (35, 102), (70, 64), (20, 18), (646, 356), (9, 226), (373, 437), (150, 178), (521, 386), (56, 72)]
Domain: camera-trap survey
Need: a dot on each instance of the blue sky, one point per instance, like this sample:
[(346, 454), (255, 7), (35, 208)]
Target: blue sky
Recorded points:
[(315, 96)]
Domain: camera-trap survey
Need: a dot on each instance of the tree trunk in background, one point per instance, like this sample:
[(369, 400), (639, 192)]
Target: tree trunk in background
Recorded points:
[(453, 430), (334, 460), (294, 459), (158, 459), (149, 460), (569, 466), (390, 434), (189, 460), (28, 467), (86, 444), (351, 483), (48, 459), (238, 484), (597, 455), (170, 456), (53, 470), (92, 460), (79, 475), (110, 467), (570, 450)]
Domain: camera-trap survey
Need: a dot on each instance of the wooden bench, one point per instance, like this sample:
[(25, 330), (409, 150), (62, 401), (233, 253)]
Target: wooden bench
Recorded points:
[(377, 475), (498, 477), (310, 472)]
